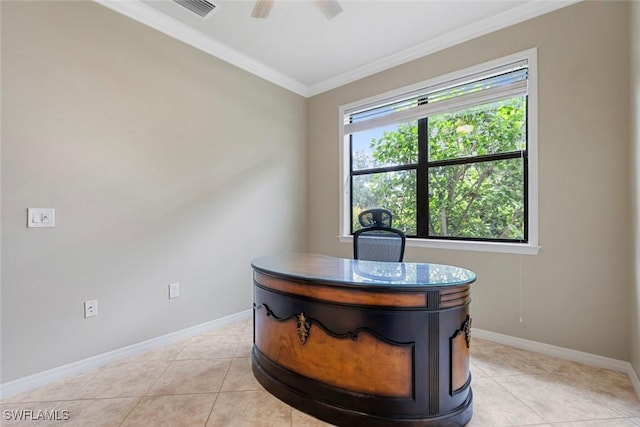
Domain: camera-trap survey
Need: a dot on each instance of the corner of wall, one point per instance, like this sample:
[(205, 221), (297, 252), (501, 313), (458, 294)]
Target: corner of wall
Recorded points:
[(635, 147)]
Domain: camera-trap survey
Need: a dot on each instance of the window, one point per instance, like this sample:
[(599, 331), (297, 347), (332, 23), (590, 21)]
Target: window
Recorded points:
[(453, 158)]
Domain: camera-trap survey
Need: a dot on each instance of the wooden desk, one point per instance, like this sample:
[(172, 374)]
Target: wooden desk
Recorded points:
[(363, 343)]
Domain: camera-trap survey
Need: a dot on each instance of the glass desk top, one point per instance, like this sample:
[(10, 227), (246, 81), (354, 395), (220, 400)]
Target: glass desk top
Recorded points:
[(343, 271)]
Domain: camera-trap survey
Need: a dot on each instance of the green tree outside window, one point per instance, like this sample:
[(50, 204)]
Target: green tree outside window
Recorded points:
[(475, 172)]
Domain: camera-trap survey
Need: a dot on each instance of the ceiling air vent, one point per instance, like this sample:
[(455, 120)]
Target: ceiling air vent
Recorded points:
[(200, 7)]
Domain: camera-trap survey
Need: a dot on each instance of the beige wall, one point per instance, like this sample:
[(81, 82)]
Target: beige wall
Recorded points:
[(635, 122), (163, 164), (575, 293)]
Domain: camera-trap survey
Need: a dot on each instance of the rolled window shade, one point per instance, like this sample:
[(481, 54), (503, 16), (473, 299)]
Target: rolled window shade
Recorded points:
[(490, 86)]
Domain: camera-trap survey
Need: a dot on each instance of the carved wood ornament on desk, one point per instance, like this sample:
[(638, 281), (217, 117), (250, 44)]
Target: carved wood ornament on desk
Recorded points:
[(459, 350), (303, 327), (466, 327)]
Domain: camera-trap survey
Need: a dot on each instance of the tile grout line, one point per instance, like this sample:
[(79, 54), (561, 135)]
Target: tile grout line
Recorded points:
[(518, 398), (215, 400), (74, 390), (172, 362), (131, 410), (565, 377), (291, 415), (604, 403), (226, 374), (41, 422), (79, 399), (147, 391), (219, 391)]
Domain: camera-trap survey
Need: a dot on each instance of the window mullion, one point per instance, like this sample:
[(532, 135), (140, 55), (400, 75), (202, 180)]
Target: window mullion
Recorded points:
[(476, 159), (422, 180), (409, 166), (525, 184), (351, 184)]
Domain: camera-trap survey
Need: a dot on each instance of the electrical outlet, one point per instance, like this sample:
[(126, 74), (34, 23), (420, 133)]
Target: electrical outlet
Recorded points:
[(174, 290), (91, 308)]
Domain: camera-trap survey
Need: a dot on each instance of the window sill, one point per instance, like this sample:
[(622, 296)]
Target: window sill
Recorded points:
[(498, 247)]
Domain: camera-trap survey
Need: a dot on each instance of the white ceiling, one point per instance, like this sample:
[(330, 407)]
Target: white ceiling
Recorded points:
[(298, 48)]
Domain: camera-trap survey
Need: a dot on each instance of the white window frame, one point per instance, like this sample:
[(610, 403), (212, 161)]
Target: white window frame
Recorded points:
[(532, 246)]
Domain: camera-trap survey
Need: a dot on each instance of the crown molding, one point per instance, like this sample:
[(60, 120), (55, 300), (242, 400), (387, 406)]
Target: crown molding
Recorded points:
[(505, 19), (147, 15)]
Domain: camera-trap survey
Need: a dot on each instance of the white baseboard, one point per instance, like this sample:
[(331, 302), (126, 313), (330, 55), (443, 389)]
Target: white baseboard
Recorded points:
[(57, 374), (563, 353)]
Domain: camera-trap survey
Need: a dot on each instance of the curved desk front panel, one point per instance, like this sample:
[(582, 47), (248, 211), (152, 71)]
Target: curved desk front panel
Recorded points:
[(364, 343)]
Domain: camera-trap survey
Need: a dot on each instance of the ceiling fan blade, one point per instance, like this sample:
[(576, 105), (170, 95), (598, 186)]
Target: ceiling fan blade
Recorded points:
[(330, 8), (262, 8)]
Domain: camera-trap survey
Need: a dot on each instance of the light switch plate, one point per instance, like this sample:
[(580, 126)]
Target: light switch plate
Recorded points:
[(40, 217)]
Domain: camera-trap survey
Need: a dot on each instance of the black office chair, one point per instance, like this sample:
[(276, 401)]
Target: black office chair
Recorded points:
[(379, 244), (375, 217)]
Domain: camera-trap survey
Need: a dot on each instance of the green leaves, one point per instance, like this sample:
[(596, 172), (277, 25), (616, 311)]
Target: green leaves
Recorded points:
[(398, 147), (481, 200), (493, 128), (392, 190)]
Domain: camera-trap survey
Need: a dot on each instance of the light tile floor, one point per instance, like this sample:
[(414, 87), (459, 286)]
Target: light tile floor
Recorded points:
[(207, 381)]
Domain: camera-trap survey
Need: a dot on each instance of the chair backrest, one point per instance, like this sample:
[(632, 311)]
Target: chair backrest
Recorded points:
[(379, 244), (376, 217)]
